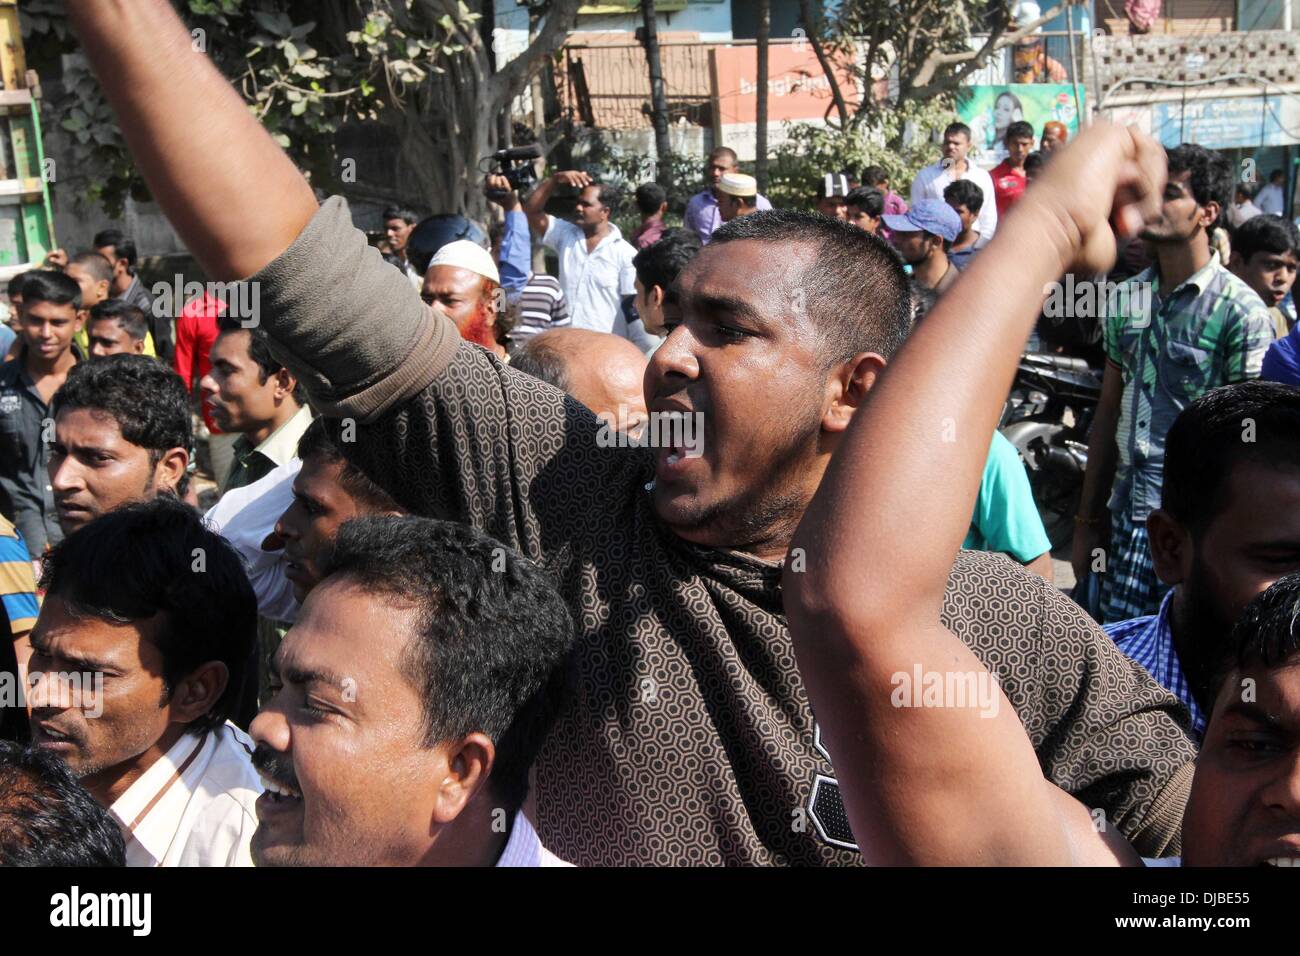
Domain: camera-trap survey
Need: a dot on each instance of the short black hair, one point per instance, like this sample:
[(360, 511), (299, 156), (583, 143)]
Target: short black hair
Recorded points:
[(1245, 189), (1252, 421), (650, 197), (660, 263), (100, 269), (1267, 633), (964, 192), (128, 316), (148, 401), (178, 569), (719, 151), (1018, 130), (316, 443), (874, 176), (492, 635), (1277, 174), (856, 288), (16, 284), (609, 196), (47, 818), (1212, 176), (123, 246), (259, 350), (1035, 161), (402, 213), (869, 199), (538, 358), (45, 285), (1266, 233), (957, 127)]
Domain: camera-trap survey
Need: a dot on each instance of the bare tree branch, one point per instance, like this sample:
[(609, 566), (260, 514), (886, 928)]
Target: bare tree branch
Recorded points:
[(812, 23), (921, 85), (514, 76)]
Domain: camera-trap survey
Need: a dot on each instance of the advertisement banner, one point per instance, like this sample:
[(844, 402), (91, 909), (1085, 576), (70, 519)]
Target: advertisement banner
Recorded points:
[(1227, 123), (797, 87), (989, 110)]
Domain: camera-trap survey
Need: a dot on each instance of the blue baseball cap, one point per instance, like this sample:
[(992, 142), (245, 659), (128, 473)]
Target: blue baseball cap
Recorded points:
[(927, 215)]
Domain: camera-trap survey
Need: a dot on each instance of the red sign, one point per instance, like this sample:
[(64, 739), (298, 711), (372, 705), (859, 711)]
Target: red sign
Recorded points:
[(797, 87)]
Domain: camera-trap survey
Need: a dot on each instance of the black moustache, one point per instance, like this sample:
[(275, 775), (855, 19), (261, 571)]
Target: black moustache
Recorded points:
[(275, 766)]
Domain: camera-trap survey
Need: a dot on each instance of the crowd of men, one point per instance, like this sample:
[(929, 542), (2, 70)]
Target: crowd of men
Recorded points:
[(509, 569)]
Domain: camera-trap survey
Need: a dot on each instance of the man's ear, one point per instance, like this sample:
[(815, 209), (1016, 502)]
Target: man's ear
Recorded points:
[(1171, 547), (137, 347), (846, 388), (171, 468), (1235, 262), (285, 382), (1210, 214), (469, 762), (657, 296), (198, 692)]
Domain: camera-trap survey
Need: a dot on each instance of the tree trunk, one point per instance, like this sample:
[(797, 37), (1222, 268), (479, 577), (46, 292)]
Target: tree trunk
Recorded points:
[(658, 98), (811, 17), (760, 131)]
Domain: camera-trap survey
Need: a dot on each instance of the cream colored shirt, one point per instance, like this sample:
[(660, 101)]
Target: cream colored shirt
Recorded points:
[(194, 806)]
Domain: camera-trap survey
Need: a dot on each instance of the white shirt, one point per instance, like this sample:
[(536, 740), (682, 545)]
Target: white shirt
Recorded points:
[(1239, 213), (524, 848), (935, 178), (194, 806), (244, 517), (594, 282), (1270, 199)]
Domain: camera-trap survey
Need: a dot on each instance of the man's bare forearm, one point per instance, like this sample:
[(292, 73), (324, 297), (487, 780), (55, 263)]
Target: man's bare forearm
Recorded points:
[(232, 194), (535, 205)]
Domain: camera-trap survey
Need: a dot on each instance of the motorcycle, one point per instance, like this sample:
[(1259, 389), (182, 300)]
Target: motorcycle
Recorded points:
[(1047, 417)]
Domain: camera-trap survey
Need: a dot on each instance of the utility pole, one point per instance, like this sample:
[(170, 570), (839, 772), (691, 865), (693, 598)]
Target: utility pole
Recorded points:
[(760, 132), (658, 97)]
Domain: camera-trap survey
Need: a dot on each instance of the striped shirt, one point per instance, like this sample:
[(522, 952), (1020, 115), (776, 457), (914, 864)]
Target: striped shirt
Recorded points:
[(1172, 348), (542, 306), (17, 584), (1149, 641), (194, 806)]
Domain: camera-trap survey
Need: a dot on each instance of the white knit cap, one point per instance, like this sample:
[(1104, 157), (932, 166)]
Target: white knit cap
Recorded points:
[(464, 254)]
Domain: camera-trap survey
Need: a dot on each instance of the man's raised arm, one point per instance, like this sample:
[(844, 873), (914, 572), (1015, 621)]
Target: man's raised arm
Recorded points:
[(211, 166), (950, 783)]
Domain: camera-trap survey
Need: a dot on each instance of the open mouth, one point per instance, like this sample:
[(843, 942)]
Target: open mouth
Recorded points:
[(279, 793), (1282, 861)]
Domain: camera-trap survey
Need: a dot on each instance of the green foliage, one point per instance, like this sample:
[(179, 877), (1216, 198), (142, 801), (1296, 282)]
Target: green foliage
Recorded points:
[(901, 140), (300, 79), (626, 170)]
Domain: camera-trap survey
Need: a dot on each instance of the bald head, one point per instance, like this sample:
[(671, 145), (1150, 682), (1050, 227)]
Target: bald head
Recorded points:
[(605, 372)]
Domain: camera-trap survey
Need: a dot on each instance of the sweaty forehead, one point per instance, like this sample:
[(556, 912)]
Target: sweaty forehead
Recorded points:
[(767, 278)]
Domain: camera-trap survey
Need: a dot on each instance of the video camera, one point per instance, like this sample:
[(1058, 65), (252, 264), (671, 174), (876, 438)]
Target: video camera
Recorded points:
[(516, 165)]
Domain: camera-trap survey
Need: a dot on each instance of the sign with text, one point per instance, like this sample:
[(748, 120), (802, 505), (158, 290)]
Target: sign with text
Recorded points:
[(797, 86), (1240, 121)]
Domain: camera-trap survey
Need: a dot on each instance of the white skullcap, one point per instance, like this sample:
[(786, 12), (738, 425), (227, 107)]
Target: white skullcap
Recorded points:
[(464, 254), (738, 184)]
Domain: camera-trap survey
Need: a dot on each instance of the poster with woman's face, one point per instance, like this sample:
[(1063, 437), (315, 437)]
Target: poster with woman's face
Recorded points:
[(989, 110)]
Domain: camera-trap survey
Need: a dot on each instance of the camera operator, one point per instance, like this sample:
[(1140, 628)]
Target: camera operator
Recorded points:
[(596, 270), (537, 298)]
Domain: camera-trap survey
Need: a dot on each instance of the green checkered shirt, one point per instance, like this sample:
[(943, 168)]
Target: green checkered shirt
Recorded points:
[(1210, 330)]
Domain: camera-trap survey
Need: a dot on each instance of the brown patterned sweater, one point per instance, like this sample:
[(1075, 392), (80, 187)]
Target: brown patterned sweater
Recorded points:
[(689, 739)]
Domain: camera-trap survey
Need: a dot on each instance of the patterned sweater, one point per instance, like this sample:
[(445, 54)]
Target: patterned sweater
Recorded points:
[(689, 738)]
